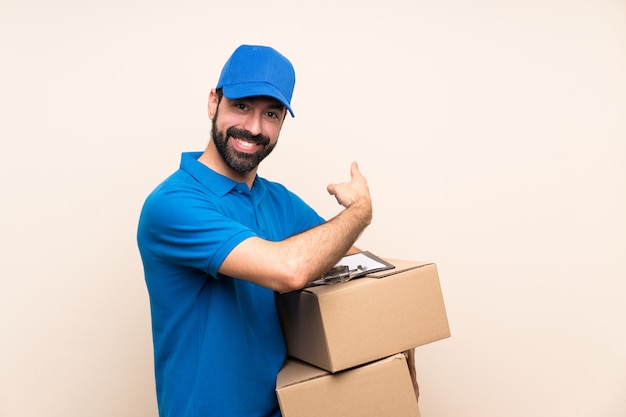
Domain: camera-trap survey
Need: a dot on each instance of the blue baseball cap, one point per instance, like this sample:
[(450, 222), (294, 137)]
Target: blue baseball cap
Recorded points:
[(258, 71)]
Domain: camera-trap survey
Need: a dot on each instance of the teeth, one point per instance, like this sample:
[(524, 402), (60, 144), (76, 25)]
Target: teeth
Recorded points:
[(245, 143)]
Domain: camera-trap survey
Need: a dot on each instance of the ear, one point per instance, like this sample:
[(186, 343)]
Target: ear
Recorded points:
[(212, 103)]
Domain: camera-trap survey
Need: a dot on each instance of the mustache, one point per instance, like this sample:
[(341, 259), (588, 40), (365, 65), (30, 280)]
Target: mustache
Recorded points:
[(244, 134)]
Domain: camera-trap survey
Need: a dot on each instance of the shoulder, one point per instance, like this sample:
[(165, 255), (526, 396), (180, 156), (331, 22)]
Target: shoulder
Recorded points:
[(177, 196), (178, 185)]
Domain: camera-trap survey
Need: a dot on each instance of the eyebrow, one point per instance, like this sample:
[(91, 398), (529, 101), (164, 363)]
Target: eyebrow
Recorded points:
[(276, 107), (275, 104)]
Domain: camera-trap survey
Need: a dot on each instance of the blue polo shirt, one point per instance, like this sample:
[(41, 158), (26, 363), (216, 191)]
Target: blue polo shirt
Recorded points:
[(218, 344)]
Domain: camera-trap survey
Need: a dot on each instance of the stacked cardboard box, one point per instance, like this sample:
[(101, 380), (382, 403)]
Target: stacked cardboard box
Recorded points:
[(378, 389), (346, 338)]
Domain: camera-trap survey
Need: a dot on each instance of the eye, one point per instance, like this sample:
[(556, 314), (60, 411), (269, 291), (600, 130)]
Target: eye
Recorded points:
[(272, 115)]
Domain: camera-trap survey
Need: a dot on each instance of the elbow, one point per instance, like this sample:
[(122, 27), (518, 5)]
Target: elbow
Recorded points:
[(294, 277), (294, 282)]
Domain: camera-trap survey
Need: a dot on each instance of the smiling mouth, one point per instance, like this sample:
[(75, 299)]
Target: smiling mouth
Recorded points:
[(245, 145)]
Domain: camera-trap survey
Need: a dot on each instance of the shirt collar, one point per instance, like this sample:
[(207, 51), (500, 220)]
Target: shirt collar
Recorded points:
[(217, 183)]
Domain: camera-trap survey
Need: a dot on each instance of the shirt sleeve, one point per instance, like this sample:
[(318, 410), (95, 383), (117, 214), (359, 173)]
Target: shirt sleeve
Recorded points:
[(185, 229)]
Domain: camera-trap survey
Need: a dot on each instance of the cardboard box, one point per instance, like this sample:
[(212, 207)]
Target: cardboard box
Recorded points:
[(336, 327), (378, 389)]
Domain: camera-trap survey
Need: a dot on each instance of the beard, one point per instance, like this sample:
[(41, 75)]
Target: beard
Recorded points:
[(240, 161)]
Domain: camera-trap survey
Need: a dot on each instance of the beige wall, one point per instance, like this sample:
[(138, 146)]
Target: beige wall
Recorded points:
[(493, 134)]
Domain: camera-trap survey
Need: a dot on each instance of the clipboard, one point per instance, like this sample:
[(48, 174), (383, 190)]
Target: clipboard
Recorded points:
[(353, 266)]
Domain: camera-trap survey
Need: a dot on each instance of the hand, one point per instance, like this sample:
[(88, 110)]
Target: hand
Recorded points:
[(355, 192), (410, 358)]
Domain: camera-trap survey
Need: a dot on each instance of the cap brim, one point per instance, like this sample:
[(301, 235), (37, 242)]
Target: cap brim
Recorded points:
[(244, 90)]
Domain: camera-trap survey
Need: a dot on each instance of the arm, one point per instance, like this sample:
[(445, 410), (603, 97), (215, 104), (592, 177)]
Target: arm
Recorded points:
[(292, 263), (353, 250)]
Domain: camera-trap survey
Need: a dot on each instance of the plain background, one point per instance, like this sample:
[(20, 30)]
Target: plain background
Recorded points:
[(492, 134)]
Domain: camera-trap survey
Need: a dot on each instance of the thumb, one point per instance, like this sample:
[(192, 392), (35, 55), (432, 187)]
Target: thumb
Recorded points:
[(354, 169), (355, 172)]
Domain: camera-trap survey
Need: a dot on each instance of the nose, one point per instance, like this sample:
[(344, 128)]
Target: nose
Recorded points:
[(252, 123)]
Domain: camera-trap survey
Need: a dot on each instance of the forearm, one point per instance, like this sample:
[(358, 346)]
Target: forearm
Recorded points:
[(315, 251), (292, 263)]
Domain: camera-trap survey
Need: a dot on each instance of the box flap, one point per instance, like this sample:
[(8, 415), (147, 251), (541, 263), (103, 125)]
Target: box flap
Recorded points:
[(295, 371)]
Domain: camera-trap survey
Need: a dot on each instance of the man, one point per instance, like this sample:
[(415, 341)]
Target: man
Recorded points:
[(217, 241)]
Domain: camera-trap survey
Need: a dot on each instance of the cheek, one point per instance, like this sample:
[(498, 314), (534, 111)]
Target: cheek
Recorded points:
[(272, 132), (273, 138)]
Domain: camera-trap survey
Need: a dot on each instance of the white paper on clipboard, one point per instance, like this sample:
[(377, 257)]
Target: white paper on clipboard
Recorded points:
[(363, 263)]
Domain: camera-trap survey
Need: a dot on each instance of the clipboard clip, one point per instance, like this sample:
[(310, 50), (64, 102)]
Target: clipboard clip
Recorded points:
[(339, 274)]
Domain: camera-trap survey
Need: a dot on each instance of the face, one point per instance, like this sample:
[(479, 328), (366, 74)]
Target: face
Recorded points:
[(245, 131)]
